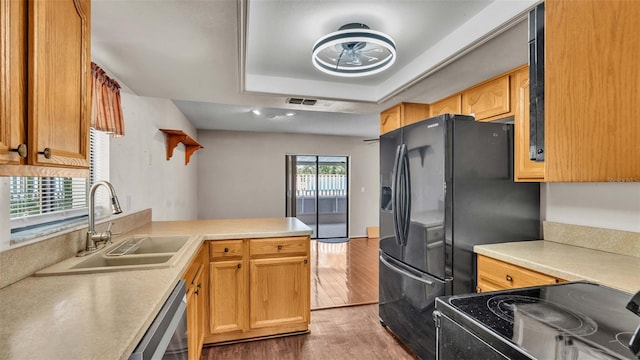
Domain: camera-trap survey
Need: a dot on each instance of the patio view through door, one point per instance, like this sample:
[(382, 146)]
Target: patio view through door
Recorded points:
[(317, 193)]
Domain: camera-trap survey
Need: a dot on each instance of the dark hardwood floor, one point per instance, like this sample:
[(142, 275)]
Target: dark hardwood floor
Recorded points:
[(352, 332)]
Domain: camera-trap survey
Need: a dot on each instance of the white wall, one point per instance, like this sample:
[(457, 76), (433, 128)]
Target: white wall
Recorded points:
[(139, 171), (242, 174), (604, 205)]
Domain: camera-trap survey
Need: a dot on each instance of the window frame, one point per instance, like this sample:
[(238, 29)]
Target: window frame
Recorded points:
[(99, 164)]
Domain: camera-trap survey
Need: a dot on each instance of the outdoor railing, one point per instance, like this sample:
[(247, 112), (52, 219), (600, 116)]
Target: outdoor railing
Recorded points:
[(327, 185)]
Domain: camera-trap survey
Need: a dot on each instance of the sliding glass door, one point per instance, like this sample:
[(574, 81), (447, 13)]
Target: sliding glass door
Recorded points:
[(317, 193)]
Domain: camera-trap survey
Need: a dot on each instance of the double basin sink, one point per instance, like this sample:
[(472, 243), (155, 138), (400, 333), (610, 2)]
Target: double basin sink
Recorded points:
[(134, 253)]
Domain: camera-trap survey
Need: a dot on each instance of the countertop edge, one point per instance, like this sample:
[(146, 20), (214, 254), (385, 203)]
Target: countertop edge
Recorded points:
[(568, 262)]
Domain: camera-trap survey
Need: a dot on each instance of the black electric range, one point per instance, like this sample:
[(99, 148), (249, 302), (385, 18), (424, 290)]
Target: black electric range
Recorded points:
[(564, 321)]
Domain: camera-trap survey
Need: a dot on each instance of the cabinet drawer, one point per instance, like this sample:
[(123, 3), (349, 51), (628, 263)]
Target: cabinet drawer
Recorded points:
[(226, 249), (279, 246), (503, 275)]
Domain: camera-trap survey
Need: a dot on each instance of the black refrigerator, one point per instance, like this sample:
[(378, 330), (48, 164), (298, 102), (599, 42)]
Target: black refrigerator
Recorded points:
[(446, 184)]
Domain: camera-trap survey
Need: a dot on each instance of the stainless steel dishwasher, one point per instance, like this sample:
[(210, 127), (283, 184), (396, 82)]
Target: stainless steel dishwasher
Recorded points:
[(166, 337)]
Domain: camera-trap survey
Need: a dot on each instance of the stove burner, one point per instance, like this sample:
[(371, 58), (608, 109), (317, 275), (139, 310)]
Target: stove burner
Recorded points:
[(545, 313)]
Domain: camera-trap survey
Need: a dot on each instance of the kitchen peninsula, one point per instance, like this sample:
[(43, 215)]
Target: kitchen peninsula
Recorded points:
[(104, 315)]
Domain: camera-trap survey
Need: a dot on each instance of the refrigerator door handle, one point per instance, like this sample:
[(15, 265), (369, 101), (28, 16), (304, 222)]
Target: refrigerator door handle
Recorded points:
[(406, 194), (403, 272), (395, 199)]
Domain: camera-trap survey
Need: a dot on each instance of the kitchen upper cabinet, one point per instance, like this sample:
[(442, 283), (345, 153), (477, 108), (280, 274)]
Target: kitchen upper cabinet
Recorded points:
[(525, 168), (13, 75), (490, 100), (592, 87), (450, 105), (402, 114), (258, 288), (499, 275), (45, 57)]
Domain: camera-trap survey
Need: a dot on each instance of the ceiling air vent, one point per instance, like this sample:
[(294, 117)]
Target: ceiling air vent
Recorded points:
[(301, 101)]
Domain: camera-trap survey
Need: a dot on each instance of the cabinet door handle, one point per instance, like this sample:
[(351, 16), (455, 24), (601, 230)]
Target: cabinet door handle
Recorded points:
[(306, 261), (197, 292), (21, 150), (226, 250), (509, 278), (46, 152), (239, 266), (279, 247), (478, 290)]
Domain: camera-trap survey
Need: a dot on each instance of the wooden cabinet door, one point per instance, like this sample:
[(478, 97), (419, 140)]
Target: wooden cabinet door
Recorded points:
[(279, 292), (227, 296), (413, 113), (192, 319), (488, 101), (59, 73), (525, 168), (13, 16), (197, 330), (195, 277), (592, 87), (390, 119), (450, 105)]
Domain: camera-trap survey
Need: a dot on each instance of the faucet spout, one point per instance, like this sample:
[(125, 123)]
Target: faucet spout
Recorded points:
[(92, 236)]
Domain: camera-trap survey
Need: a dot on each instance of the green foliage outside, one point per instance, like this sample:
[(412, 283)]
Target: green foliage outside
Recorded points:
[(322, 169)]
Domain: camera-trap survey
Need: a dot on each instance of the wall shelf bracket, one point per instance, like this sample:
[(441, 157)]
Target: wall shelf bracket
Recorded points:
[(174, 137)]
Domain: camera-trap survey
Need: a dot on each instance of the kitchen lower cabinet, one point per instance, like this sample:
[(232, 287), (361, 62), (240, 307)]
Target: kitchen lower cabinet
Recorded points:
[(227, 296), (279, 292), (499, 275), (258, 288), (195, 278)]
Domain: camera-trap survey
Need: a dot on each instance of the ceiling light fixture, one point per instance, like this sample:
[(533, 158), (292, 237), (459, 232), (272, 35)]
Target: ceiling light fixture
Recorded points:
[(255, 112), (354, 50)]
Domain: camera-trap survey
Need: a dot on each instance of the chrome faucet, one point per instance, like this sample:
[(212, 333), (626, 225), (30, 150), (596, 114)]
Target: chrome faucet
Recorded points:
[(94, 238)]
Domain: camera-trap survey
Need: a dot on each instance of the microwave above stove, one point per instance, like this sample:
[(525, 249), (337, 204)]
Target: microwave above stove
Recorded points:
[(564, 321)]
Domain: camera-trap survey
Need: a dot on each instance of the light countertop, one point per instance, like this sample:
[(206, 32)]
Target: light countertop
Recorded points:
[(570, 262), (104, 316)]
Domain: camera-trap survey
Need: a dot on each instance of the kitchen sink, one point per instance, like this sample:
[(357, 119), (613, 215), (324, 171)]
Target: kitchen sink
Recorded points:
[(149, 245), (108, 261), (137, 252)]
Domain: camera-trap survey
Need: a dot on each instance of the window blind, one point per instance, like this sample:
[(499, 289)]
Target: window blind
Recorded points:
[(38, 200)]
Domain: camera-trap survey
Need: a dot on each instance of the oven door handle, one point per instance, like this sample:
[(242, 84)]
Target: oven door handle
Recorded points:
[(403, 272)]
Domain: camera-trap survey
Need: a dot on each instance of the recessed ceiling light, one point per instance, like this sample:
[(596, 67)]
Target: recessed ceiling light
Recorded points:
[(256, 112), (290, 113)]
